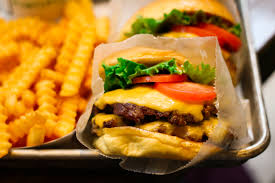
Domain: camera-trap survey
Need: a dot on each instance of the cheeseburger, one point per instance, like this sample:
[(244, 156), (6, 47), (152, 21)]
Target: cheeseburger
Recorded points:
[(156, 104), (188, 18)]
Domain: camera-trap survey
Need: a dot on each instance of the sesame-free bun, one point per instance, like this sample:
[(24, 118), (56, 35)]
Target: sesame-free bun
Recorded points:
[(158, 8), (142, 55), (134, 142)]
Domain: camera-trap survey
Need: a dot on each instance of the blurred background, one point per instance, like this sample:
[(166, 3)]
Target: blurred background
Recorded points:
[(258, 170)]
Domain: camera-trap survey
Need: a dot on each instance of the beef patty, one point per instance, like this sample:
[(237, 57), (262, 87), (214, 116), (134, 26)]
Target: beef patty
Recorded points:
[(139, 114)]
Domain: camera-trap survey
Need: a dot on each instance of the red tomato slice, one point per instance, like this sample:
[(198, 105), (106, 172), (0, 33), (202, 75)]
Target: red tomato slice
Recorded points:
[(160, 78), (198, 31), (225, 38), (187, 91), (233, 41)]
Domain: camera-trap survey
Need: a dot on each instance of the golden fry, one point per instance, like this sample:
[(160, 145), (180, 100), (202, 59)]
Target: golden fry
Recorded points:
[(54, 36), (8, 52), (20, 127), (88, 78), (43, 58), (27, 50), (71, 9), (78, 7), (67, 114), (82, 103), (48, 74), (28, 98), (69, 47), (26, 28), (78, 67), (36, 135), (30, 78), (5, 145), (18, 72), (10, 103), (46, 99), (102, 29)]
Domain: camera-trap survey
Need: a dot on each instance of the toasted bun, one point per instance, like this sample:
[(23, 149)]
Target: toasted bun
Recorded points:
[(157, 9), (142, 55), (134, 142)]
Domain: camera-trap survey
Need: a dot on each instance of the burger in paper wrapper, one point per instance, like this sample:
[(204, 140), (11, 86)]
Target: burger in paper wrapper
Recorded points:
[(156, 104), (162, 104), (188, 18)]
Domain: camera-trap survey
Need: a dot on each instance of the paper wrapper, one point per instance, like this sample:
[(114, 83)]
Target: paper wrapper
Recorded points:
[(231, 115), (119, 18)]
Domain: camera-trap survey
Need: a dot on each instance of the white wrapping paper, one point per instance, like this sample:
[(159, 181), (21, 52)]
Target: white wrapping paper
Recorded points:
[(196, 50), (123, 10)]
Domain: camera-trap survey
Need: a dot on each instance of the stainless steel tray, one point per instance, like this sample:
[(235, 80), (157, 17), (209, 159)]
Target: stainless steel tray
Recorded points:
[(250, 88)]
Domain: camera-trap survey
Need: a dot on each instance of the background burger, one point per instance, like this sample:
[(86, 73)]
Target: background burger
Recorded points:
[(156, 104), (188, 18)]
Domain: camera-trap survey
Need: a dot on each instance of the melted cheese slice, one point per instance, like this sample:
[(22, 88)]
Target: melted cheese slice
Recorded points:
[(196, 132), (100, 118), (151, 98), (157, 125), (190, 132)]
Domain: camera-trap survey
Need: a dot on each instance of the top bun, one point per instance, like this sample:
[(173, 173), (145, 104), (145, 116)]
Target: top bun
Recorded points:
[(142, 55), (158, 8)]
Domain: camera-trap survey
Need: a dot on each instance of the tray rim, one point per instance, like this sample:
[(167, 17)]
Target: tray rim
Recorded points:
[(238, 155)]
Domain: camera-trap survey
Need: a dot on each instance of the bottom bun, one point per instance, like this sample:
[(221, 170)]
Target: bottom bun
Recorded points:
[(135, 142)]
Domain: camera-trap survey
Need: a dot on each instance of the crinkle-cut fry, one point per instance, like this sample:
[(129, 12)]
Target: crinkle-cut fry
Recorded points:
[(5, 145), (87, 7), (42, 59), (29, 28), (36, 135), (46, 99), (3, 76), (20, 127), (14, 106), (27, 50), (46, 96), (18, 72), (70, 44), (82, 103), (78, 67), (102, 29), (8, 50), (88, 78), (67, 115), (48, 74), (71, 9), (54, 36), (78, 7), (28, 98)]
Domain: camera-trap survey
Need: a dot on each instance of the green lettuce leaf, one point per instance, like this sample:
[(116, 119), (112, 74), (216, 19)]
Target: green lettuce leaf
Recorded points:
[(201, 73), (117, 76), (175, 17), (169, 66), (122, 74), (236, 29)]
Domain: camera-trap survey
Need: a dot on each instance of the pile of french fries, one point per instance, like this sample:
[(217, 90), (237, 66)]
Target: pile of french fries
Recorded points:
[(45, 74)]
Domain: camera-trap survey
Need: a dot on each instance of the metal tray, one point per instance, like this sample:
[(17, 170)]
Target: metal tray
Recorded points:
[(70, 153)]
